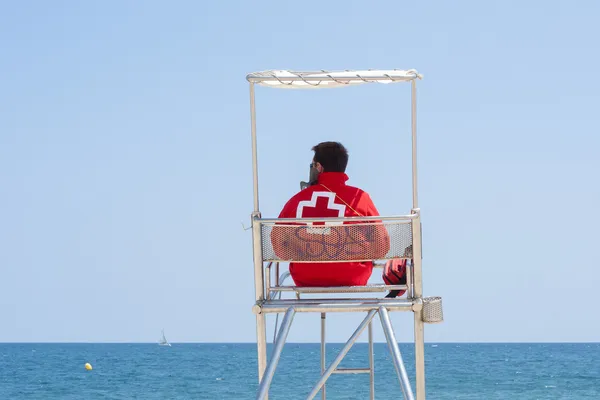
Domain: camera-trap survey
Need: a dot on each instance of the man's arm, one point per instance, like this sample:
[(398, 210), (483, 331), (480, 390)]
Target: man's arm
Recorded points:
[(380, 243), (280, 235)]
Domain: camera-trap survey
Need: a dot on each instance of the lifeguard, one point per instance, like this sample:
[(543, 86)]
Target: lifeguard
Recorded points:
[(329, 196)]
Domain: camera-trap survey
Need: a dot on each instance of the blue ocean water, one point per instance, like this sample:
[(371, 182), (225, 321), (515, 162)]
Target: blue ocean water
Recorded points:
[(228, 371)]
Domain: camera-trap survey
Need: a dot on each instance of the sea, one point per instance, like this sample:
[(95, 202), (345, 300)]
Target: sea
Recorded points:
[(229, 371)]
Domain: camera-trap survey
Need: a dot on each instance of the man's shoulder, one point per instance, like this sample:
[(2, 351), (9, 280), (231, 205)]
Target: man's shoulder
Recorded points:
[(303, 194), (355, 189), (289, 209), (355, 192)]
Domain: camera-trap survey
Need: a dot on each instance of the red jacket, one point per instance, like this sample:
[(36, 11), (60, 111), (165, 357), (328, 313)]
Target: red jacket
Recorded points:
[(331, 197)]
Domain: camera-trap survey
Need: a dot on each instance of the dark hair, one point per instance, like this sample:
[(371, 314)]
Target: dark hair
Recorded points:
[(333, 156)]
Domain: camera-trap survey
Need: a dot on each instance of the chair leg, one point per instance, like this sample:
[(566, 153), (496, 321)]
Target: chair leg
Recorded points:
[(420, 355), (396, 355), (371, 363), (286, 324), (323, 316), (261, 342)]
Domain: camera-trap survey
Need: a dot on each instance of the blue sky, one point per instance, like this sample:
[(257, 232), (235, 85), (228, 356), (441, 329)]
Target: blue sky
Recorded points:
[(125, 163)]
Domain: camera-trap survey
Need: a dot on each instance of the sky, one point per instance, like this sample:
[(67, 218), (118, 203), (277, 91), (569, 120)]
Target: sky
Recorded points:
[(126, 170)]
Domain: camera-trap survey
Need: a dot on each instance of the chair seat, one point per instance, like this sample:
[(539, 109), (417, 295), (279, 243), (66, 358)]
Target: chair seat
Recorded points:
[(371, 288)]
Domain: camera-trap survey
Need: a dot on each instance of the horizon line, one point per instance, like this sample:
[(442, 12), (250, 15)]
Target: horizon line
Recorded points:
[(252, 343)]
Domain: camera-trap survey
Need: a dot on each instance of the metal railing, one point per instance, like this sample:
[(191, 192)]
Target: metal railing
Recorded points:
[(273, 287)]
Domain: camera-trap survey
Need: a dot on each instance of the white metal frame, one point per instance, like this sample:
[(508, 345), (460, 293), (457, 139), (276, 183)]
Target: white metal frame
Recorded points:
[(265, 293)]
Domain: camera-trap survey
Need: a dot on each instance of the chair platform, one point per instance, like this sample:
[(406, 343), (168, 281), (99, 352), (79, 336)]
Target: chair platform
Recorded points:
[(335, 305)]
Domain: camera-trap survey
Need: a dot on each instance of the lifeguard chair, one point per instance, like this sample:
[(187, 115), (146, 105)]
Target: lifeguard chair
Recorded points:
[(335, 240)]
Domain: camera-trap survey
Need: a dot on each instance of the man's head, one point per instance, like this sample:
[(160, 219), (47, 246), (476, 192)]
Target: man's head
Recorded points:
[(330, 157)]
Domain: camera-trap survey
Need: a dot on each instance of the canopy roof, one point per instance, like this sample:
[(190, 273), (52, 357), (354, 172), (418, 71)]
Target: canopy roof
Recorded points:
[(329, 79)]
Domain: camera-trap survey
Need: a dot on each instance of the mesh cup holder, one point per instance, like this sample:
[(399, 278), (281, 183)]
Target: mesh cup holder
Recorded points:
[(432, 310)]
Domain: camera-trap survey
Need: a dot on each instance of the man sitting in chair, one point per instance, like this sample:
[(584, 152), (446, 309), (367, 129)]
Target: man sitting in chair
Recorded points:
[(328, 196)]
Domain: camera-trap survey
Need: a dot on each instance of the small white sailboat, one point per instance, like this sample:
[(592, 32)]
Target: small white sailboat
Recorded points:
[(163, 341)]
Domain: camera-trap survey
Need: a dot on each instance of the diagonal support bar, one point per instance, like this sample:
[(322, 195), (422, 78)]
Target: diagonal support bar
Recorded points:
[(286, 324), (396, 356), (371, 364), (341, 354), (323, 317)]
